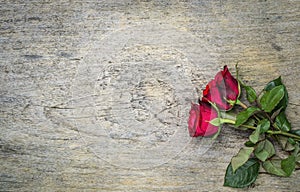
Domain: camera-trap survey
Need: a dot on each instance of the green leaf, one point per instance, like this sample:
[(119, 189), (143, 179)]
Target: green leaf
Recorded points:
[(282, 123), (291, 141), (241, 158), (296, 132), (276, 82), (249, 144), (262, 155), (282, 140), (289, 146), (288, 165), (250, 122), (274, 167), (285, 143), (251, 94), (264, 150), (254, 137), (243, 116), (297, 149), (273, 84), (244, 175), (283, 168), (270, 99), (275, 113), (264, 125)]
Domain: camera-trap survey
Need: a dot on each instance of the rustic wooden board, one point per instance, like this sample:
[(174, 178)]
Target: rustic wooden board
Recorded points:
[(95, 94)]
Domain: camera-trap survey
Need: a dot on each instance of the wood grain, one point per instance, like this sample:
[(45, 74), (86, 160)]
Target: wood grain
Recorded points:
[(95, 95)]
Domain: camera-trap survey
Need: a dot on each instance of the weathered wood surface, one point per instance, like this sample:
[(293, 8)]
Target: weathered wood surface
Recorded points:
[(95, 94)]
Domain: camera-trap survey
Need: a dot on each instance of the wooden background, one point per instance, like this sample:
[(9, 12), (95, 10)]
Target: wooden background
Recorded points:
[(95, 95)]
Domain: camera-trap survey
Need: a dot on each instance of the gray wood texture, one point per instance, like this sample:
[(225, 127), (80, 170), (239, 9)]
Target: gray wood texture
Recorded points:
[(95, 95)]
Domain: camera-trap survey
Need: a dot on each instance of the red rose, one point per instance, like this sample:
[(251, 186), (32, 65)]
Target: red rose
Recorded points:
[(221, 89), (200, 115)]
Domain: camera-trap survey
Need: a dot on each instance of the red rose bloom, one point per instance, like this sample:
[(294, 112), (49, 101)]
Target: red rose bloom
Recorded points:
[(200, 115), (222, 88)]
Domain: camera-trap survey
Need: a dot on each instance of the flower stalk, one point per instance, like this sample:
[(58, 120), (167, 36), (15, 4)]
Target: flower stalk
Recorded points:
[(229, 121), (238, 102)]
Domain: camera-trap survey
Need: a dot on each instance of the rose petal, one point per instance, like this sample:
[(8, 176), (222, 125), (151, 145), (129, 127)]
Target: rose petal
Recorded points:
[(223, 87), (199, 118)]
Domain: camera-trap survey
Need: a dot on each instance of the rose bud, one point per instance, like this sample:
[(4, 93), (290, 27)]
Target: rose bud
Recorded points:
[(200, 116), (223, 90)]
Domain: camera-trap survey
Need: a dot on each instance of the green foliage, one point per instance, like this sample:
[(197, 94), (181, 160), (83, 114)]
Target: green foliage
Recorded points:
[(276, 82), (282, 123), (274, 167), (264, 150), (291, 141), (283, 168), (264, 125), (250, 122), (286, 143), (271, 98), (273, 102), (241, 158), (296, 132), (288, 165), (249, 144), (254, 137), (251, 93), (244, 176), (243, 116)]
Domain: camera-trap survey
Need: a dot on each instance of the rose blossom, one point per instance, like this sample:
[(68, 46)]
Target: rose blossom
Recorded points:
[(223, 88), (200, 115)]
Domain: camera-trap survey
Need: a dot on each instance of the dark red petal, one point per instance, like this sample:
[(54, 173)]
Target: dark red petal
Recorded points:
[(194, 120), (208, 113), (225, 70), (223, 87)]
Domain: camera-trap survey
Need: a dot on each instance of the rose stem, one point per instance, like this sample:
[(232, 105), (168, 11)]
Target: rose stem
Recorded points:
[(269, 131), (275, 132), (238, 102)]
